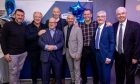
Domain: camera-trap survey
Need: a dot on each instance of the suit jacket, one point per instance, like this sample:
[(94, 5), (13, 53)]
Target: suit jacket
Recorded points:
[(107, 43), (32, 37), (75, 41), (46, 39), (131, 40)]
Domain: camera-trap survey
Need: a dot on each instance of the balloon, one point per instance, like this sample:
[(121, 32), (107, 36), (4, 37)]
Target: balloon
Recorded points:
[(77, 11), (9, 6), (80, 19)]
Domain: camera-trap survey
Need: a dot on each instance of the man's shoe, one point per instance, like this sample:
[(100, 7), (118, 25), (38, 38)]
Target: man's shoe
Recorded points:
[(95, 80), (53, 81), (63, 81), (34, 82), (72, 83), (84, 82)]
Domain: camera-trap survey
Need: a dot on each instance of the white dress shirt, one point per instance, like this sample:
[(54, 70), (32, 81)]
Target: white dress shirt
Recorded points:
[(123, 31)]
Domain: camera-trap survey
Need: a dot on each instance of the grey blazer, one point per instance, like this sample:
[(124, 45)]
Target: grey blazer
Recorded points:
[(75, 42)]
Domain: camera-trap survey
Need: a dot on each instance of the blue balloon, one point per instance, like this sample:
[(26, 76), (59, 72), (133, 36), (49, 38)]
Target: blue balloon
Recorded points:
[(77, 10), (80, 19), (9, 6)]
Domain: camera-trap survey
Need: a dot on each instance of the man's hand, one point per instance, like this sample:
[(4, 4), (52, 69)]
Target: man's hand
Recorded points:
[(108, 24), (77, 58), (41, 32), (134, 61), (51, 47), (108, 60), (7, 57)]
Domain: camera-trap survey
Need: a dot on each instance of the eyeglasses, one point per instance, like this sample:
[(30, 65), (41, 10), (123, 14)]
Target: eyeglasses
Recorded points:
[(52, 22), (101, 16)]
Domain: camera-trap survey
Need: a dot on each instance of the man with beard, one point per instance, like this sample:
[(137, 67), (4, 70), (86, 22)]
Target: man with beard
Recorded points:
[(13, 43), (73, 48)]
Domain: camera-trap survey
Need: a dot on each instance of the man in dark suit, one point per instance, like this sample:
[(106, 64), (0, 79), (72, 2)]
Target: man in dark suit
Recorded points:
[(56, 13), (32, 34), (127, 47), (104, 45), (51, 42)]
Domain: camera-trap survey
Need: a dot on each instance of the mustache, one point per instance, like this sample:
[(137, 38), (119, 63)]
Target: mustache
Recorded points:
[(19, 18)]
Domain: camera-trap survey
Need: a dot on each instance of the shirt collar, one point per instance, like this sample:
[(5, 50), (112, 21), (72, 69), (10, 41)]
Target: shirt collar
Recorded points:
[(52, 29), (101, 26), (57, 19), (89, 23)]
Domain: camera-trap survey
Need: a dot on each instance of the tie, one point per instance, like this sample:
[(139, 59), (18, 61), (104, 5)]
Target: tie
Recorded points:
[(97, 38), (120, 40)]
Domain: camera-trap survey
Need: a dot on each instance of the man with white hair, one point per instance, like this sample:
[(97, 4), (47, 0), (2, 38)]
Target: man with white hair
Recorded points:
[(104, 45), (33, 31), (127, 35)]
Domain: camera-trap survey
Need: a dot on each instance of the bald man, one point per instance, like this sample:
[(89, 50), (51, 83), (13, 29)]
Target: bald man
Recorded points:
[(73, 48), (51, 43), (56, 13), (127, 52), (33, 31)]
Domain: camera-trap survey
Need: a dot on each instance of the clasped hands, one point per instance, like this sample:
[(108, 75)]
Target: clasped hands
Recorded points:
[(51, 47)]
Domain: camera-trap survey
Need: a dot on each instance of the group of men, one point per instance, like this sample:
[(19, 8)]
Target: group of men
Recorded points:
[(97, 42)]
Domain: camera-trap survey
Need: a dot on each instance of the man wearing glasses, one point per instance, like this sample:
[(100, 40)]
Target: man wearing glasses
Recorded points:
[(51, 42)]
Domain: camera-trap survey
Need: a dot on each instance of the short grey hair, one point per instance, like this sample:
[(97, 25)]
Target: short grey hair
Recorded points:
[(121, 8), (101, 12), (37, 12)]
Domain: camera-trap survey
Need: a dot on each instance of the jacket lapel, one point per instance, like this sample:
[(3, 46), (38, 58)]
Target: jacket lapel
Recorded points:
[(48, 33), (55, 36), (126, 30), (102, 32), (116, 29)]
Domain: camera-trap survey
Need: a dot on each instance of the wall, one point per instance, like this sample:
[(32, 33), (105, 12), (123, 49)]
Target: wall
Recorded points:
[(133, 10)]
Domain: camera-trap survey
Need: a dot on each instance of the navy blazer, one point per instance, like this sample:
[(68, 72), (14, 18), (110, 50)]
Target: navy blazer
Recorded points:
[(107, 43), (46, 39), (131, 40)]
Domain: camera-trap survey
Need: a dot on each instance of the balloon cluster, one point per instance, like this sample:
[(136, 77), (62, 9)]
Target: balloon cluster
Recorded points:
[(77, 11), (9, 6)]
